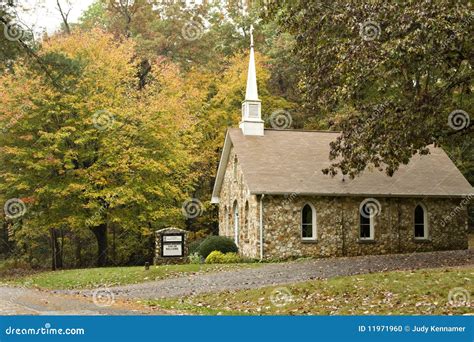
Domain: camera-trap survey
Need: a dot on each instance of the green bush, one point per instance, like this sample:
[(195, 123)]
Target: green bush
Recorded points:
[(193, 246), (231, 258), (216, 243), (195, 258), (217, 257)]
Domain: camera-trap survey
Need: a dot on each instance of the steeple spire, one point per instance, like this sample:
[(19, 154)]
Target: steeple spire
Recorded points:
[(252, 90), (251, 123)]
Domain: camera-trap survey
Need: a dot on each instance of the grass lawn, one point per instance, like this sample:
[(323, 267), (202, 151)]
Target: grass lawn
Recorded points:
[(113, 276), (402, 292)]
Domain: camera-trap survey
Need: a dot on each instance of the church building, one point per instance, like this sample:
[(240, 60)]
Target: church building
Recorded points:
[(275, 202)]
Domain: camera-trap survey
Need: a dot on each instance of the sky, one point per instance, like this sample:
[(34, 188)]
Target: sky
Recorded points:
[(43, 15)]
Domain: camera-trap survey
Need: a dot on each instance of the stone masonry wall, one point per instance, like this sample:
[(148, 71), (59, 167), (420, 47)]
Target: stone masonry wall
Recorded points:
[(338, 227), (234, 191)]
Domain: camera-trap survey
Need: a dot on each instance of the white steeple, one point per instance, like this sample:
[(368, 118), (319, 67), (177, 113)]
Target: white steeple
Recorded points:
[(251, 123)]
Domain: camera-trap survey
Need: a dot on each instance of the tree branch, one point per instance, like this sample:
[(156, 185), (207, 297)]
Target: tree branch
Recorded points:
[(64, 17)]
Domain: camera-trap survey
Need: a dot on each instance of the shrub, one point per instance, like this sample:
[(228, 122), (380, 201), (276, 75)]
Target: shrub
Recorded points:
[(217, 257), (216, 243), (193, 246), (231, 258), (195, 258)]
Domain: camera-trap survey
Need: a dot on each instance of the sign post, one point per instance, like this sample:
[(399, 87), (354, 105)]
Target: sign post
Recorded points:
[(171, 246)]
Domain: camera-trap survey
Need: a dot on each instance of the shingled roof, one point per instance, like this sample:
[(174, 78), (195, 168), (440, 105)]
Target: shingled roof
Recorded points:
[(290, 162)]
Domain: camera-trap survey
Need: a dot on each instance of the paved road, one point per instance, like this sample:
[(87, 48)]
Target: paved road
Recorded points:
[(284, 273), (21, 301)]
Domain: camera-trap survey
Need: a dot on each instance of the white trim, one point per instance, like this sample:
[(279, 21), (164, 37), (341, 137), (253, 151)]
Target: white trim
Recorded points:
[(221, 169), (313, 223), (235, 220), (246, 220), (425, 222), (226, 220), (261, 226)]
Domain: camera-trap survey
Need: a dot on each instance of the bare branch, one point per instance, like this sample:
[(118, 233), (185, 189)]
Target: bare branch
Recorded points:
[(64, 16)]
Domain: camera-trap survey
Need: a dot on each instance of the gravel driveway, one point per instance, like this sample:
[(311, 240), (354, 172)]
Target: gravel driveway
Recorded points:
[(290, 272)]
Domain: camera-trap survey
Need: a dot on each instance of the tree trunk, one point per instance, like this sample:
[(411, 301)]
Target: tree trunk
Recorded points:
[(78, 251), (114, 250), (56, 255), (5, 239), (100, 233)]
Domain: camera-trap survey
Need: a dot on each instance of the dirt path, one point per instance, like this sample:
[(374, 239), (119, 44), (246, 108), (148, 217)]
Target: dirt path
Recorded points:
[(283, 273), (21, 301)]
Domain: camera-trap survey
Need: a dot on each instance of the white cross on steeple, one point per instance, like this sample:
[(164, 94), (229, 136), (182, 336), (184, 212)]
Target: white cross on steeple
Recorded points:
[(251, 35)]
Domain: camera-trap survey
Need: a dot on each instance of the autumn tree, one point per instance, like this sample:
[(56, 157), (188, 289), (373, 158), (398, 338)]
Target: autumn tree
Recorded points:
[(96, 152), (394, 76)]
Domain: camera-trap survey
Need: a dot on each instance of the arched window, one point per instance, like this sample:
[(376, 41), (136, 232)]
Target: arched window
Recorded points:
[(366, 220), (421, 224), (230, 221), (308, 222), (226, 220), (235, 214), (246, 220)]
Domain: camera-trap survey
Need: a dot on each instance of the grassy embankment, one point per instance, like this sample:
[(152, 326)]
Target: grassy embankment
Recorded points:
[(395, 293), (112, 276)]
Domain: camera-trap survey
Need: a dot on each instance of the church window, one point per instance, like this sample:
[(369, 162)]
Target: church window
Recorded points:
[(308, 222), (421, 231), (366, 224)]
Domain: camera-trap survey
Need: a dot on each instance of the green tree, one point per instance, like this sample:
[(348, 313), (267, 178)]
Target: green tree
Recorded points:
[(95, 152), (15, 38), (386, 73)]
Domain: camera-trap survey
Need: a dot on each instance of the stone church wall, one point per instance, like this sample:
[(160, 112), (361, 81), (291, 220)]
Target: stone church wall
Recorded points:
[(337, 223), (235, 192), (338, 227)]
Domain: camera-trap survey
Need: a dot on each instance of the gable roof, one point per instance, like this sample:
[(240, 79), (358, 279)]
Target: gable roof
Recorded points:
[(290, 162)]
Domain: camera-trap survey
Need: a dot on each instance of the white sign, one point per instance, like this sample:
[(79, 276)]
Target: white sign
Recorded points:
[(172, 249), (172, 238)]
